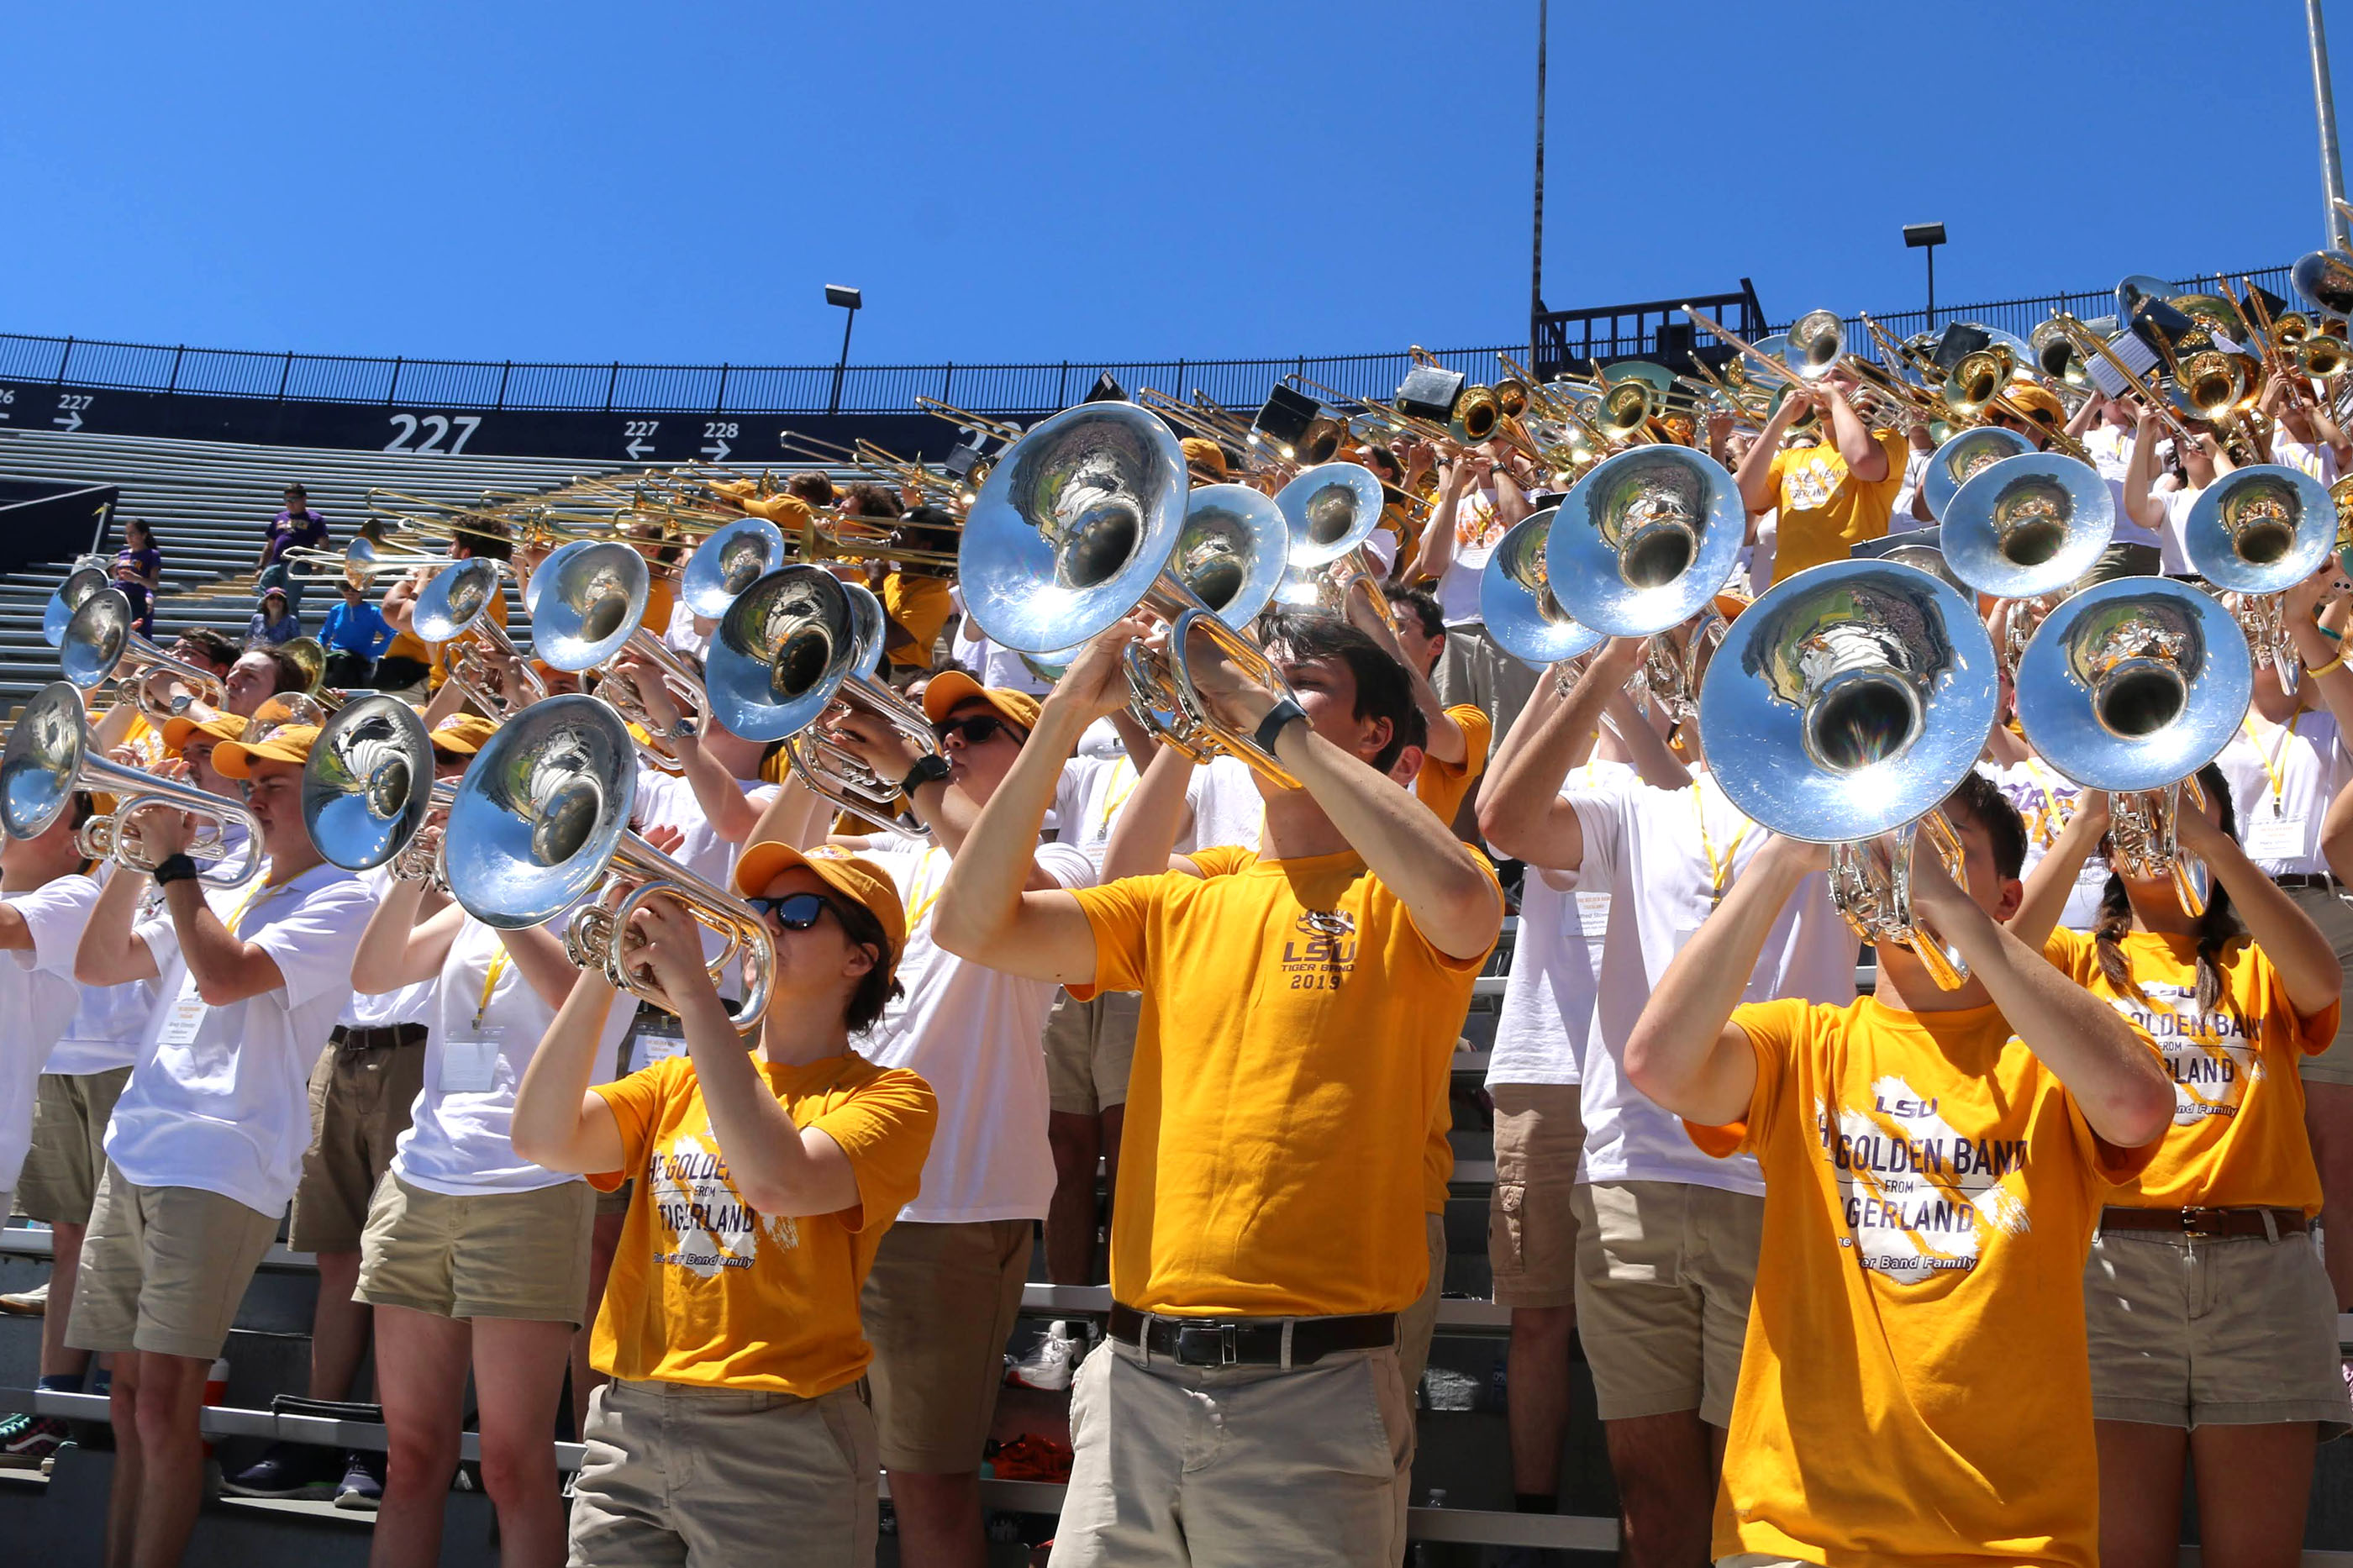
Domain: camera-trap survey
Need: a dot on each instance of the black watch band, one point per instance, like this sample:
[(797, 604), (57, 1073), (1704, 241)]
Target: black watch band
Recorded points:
[(175, 869), (1278, 718), (928, 769)]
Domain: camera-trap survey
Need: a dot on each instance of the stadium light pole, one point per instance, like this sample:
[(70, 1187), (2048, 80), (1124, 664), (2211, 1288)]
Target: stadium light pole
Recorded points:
[(1926, 237), (2332, 168), (849, 301)]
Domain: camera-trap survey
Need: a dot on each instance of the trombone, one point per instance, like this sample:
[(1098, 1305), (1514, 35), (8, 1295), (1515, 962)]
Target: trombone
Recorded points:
[(541, 822), (2087, 342), (49, 758), (2131, 686), (359, 563)]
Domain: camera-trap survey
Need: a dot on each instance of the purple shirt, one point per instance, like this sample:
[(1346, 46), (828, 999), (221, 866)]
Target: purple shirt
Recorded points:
[(307, 529)]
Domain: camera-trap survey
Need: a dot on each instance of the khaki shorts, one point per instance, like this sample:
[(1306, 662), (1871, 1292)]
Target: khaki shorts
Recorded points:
[(1531, 1213), (673, 1475), (360, 1101), (1236, 1464), (68, 1153), (1663, 1275), (2334, 916), (1090, 1046), (491, 1254), (939, 1306), (1418, 1324), (2219, 1331), (164, 1269)]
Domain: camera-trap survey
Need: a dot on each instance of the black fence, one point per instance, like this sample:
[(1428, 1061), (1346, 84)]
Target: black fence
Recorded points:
[(868, 389)]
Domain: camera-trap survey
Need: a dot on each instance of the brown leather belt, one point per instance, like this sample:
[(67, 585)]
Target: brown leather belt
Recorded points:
[(2306, 879), (1251, 1342), (379, 1038), (2206, 1222)]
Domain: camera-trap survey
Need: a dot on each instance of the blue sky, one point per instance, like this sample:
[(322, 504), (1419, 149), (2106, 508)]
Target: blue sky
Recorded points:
[(1035, 180)]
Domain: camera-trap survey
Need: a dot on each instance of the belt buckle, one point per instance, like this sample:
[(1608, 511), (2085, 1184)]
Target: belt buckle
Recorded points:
[(2198, 1226), (1216, 1343)]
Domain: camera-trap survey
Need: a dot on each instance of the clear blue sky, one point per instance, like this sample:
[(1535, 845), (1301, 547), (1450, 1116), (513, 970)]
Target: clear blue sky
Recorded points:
[(597, 181)]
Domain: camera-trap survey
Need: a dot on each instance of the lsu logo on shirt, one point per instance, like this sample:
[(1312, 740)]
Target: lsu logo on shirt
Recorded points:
[(1320, 951), (2209, 1057), (1919, 1197), (711, 1226), (1810, 479)]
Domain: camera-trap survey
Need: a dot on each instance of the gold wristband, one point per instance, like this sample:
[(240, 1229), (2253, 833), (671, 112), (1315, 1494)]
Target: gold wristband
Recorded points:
[(2317, 670)]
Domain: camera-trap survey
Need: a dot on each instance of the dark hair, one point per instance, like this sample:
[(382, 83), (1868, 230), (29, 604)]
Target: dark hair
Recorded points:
[(1384, 690), (1424, 607), (1980, 801), (291, 677), (295, 491), (489, 546), (876, 987), (218, 647), (2216, 927), (1381, 453), (140, 524), (813, 488), (872, 500)]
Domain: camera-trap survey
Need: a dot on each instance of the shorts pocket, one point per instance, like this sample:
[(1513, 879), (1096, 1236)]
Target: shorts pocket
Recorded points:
[(1507, 1229)]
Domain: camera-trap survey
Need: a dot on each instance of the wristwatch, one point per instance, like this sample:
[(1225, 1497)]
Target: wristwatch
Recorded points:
[(928, 769), (175, 869), (1278, 718)]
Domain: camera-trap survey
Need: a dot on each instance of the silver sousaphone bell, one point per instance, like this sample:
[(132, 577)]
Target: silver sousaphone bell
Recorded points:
[(1961, 457), (1517, 600), (49, 758), (1846, 704), (2028, 526), (2254, 533), (368, 786), (2131, 686), (1331, 510), (1645, 539), (541, 822)]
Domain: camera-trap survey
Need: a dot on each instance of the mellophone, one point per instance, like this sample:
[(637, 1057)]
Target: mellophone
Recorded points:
[(1840, 707)]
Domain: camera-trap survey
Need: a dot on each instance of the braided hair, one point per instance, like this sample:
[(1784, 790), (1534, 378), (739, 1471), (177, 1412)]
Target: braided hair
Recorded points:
[(2216, 927)]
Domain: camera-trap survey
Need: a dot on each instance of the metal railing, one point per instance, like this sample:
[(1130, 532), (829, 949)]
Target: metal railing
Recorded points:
[(991, 388)]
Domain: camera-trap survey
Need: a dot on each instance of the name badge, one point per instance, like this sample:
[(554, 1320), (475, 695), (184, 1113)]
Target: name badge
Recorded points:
[(2093, 874), (2273, 837), (183, 1017), (1683, 939), (655, 1042), (1593, 915), (469, 1065)]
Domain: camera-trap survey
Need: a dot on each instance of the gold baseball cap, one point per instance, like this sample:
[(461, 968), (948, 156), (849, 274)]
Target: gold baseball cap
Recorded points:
[(947, 690), (838, 868), (235, 759), (179, 730), (466, 733)]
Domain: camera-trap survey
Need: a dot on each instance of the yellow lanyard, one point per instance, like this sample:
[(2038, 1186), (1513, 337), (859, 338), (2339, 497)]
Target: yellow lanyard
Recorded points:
[(925, 894), (489, 984), (1115, 798), (237, 915), (1719, 873), (2054, 814), (2273, 766)]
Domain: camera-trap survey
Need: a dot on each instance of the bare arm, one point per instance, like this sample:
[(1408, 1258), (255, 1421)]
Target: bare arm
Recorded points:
[(1865, 458), (557, 1122), (111, 951), (1437, 551), (403, 945), (1653, 759), (2053, 880), (2306, 962), (224, 968), (1757, 492), (2336, 834), (2140, 471), (1144, 837), (1520, 812)]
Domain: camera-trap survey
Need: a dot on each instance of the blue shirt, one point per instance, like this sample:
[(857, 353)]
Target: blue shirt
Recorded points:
[(356, 629)]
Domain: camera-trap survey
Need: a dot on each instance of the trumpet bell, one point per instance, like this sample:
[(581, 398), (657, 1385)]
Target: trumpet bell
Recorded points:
[(2258, 530), (1328, 511), (454, 599), (1516, 602), (1848, 700), (2133, 683), (368, 783), (85, 579), (2028, 525), (1072, 527), (2325, 280), (781, 652), (309, 655), (1231, 551), (586, 599), (540, 811), (1960, 459), (39, 764), (1817, 342), (729, 562), (95, 637), (1645, 539)]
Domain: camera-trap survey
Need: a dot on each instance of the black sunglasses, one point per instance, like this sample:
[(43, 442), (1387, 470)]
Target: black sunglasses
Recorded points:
[(794, 911), (974, 729)]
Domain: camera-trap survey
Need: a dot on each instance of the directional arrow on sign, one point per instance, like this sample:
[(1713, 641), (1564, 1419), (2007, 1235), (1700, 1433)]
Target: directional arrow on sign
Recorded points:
[(636, 448), (71, 422), (717, 451)]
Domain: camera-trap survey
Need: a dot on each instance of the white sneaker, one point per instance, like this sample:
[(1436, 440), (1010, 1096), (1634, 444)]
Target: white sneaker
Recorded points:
[(1048, 1367), (32, 1303)]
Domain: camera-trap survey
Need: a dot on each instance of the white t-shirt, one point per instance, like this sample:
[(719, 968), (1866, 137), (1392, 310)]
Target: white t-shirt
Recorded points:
[(1900, 519), (2035, 788), (993, 662), (108, 1020), (973, 1034), (1088, 801), (1101, 741), (219, 1098), (680, 635), (2111, 446), (2127, 531), (667, 800), (38, 995), (410, 1004), (456, 1141), (2279, 825), (1476, 531), (1546, 1029), (1652, 849), (1227, 806), (2177, 504), (2320, 462)]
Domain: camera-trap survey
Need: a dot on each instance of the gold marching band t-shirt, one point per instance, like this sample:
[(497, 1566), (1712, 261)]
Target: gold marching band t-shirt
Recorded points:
[(2238, 1138), (1823, 509), (706, 1289), (1294, 1037), (1915, 1381)]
